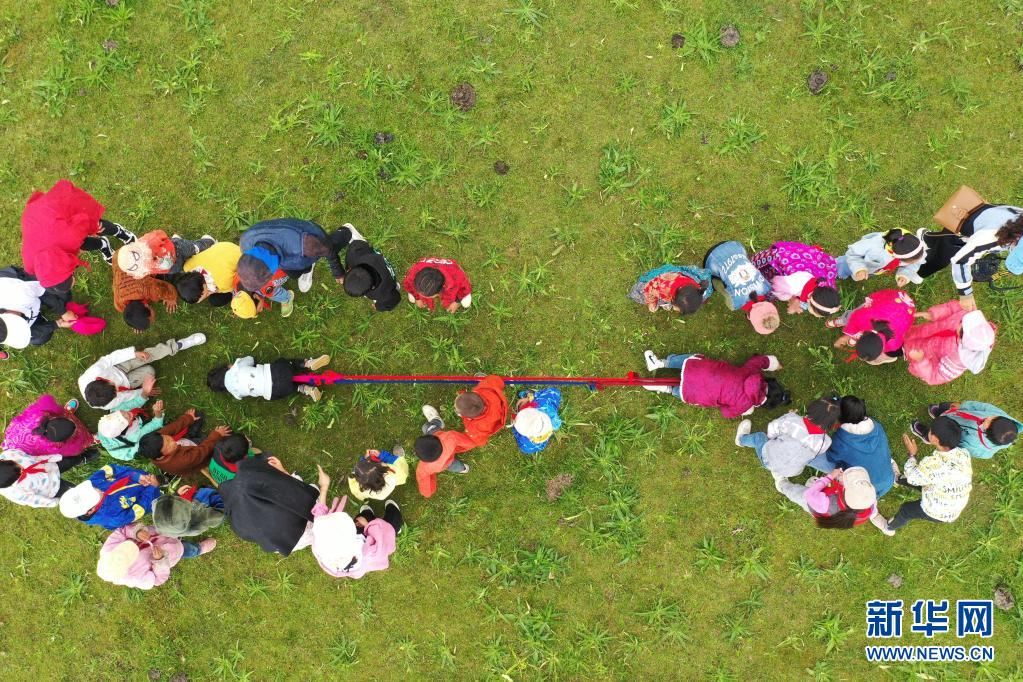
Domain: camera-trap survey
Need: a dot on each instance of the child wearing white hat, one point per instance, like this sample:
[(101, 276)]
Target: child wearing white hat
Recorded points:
[(536, 419), (138, 556)]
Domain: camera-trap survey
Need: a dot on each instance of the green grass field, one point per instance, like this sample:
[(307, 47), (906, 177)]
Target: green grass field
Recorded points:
[(670, 556)]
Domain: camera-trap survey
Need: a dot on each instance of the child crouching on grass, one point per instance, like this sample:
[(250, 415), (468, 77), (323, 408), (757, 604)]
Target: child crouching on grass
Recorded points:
[(227, 453), (378, 473), (138, 556), (438, 279), (121, 431), (173, 449), (536, 419), (269, 381), (792, 440), (437, 450), (746, 289), (681, 288)]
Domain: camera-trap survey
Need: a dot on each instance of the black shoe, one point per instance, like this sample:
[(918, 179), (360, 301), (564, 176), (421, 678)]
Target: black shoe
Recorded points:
[(194, 432), (90, 454), (934, 411), (104, 248), (392, 503), (121, 232), (920, 431)]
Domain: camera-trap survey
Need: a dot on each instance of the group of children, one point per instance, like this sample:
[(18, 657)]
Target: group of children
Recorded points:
[(273, 507)]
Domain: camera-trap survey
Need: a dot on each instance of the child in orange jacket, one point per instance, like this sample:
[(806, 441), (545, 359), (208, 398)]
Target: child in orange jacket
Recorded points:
[(484, 409), (437, 450)]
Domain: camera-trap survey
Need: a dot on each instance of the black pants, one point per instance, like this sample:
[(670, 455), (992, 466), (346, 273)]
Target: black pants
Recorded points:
[(944, 245), (392, 515), (910, 511), (282, 373), (94, 243)]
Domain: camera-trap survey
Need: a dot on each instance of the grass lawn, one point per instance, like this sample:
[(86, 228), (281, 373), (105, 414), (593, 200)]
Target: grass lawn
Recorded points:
[(670, 555)]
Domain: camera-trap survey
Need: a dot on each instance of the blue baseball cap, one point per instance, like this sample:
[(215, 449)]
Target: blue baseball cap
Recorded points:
[(1014, 263)]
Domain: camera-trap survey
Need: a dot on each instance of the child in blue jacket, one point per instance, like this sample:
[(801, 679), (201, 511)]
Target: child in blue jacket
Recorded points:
[(112, 497), (536, 419), (746, 289)]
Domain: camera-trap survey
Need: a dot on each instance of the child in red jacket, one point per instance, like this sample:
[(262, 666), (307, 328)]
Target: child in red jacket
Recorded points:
[(433, 278), (484, 409), (437, 451)]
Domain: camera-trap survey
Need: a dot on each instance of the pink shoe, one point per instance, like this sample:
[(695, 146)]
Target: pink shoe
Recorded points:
[(207, 546)]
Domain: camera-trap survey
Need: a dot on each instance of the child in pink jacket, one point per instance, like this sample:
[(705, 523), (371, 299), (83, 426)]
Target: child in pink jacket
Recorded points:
[(138, 556), (347, 547), (877, 329), (949, 342)]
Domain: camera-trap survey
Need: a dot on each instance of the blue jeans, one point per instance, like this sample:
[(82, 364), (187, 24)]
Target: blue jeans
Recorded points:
[(677, 362), (843, 268), (279, 295), (757, 442), (821, 463), (191, 550)]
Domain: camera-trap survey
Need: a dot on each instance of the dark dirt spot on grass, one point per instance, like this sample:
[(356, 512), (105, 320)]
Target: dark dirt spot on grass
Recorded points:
[(383, 138), (677, 40), (306, 161), (1003, 598), (730, 36), (895, 580), (109, 45), (179, 677), (765, 207), (339, 197), (890, 76), (155, 674), (816, 81), (362, 154), (291, 417), (556, 486), (463, 96), (384, 174), (703, 139), (501, 168)]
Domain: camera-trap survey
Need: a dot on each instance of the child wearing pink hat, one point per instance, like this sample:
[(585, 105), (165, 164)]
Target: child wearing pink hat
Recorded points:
[(745, 287), (951, 341)]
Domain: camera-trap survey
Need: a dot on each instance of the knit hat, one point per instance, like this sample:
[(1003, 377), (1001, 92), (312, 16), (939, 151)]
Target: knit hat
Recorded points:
[(859, 491), (14, 331), (243, 305), (113, 425), (534, 424), (978, 341), (115, 564), (79, 500), (177, 517), (336, 541), (764, 317)]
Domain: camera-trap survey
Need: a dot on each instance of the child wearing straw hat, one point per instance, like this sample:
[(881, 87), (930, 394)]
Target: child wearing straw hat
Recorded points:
[(138, 556)]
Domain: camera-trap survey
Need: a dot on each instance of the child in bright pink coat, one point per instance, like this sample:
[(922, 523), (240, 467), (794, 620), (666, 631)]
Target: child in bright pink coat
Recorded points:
[(877, 329), (47, 428), (949, 342)]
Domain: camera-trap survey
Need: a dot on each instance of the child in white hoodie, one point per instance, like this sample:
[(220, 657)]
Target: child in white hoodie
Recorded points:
[(269, 380)]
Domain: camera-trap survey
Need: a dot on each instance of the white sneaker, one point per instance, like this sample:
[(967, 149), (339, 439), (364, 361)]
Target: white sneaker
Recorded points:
[(652, 361), (745, 428), (430, 412), (210, 237), (196, 339), (305, 282), (658, 389), (311, 392)]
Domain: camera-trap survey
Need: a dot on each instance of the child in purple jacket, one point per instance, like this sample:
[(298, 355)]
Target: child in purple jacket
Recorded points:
[(47, 428), (802, 274)]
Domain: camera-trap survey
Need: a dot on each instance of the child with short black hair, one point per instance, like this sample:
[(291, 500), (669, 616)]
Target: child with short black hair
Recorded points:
[(133, 297), (367, 273), (48, 428), (877, 253), (124, 379), (36, 481), (269, 381), (433, 279), (986, 429), (173, 449), (437, 450), (227, 453)]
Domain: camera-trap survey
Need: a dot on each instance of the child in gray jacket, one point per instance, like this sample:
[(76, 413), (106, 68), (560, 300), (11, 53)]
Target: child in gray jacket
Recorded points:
[(792, 440)]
